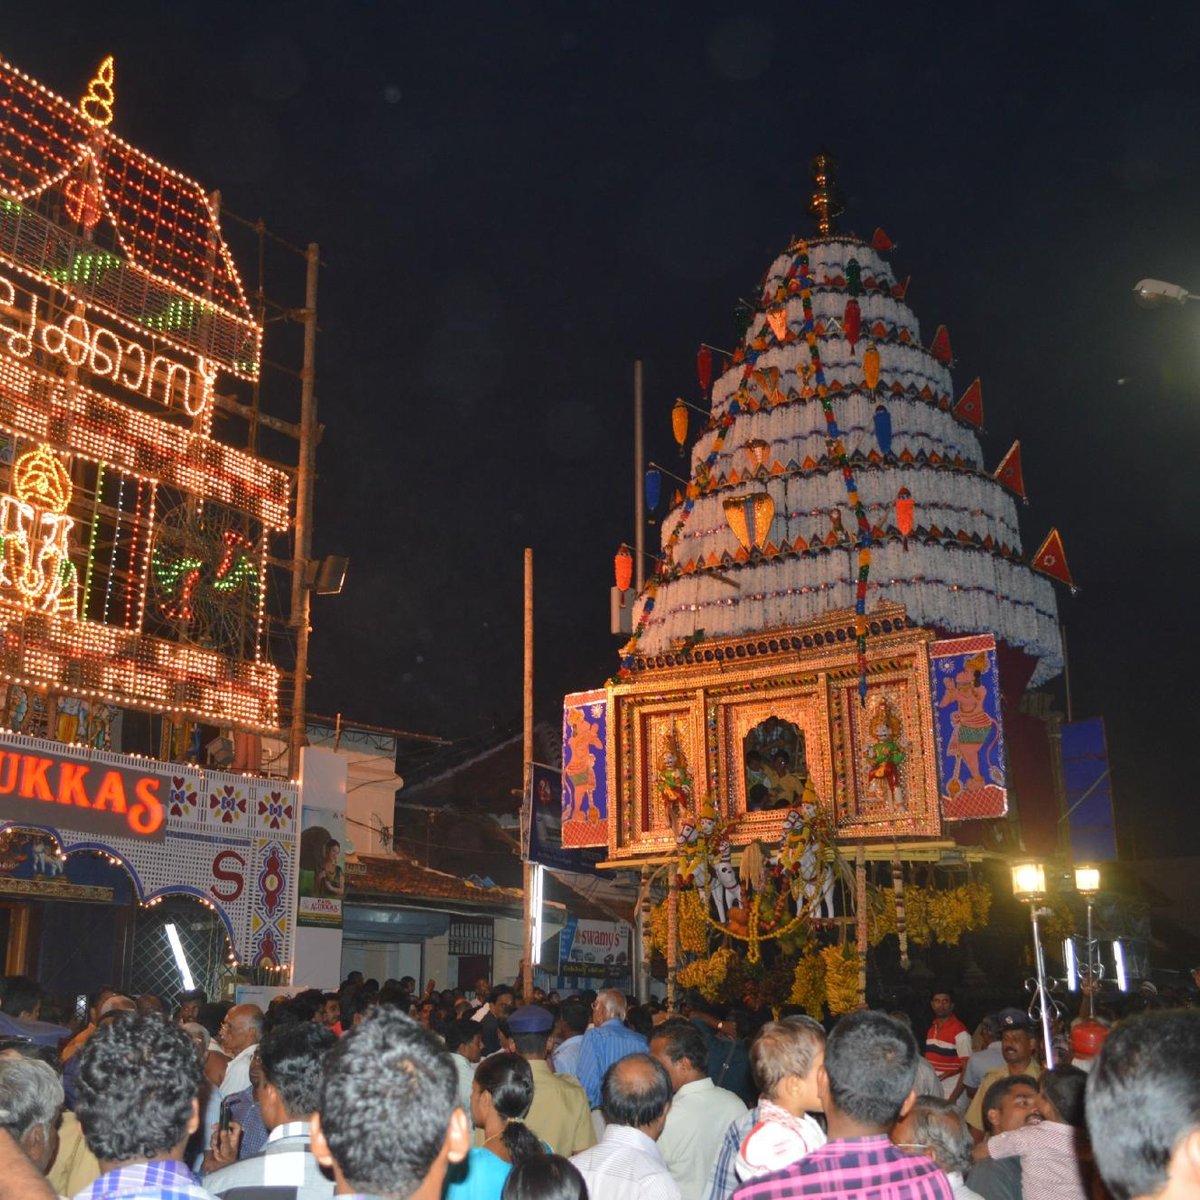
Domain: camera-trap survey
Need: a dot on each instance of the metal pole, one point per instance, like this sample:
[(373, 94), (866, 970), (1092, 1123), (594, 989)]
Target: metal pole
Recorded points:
[(1067, 672), (305, 471), (1091, 945), (527, 953), (1043, 997), (639, 486)]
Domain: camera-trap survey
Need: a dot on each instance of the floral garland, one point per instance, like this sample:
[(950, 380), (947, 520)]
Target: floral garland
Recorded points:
[(827, 976), (931, 914), (706, 975), (693, 933)]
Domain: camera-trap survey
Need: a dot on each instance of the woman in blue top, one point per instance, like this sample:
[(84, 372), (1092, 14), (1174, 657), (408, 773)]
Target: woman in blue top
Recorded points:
[(500, 1096)]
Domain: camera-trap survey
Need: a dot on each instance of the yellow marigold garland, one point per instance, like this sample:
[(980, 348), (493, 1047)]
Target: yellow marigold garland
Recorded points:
[(931, 914), (808, 983), (841, 978), (707, 974), (693, 933)]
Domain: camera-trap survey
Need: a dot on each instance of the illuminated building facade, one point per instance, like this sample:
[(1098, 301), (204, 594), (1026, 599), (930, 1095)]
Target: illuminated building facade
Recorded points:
[(134, 545)]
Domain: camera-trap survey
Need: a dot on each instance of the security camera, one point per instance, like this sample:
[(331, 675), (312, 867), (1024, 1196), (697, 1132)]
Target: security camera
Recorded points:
[(1152, 292)]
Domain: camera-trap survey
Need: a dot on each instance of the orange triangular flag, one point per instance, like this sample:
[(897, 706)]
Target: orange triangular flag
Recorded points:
[(1009, 472), (970, 406), (1051, 559), (940, 349), (880, 241), (900, 290)]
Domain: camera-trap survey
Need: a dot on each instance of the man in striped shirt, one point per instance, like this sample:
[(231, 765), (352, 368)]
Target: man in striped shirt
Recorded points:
[(866, 1085), (947, 1044)]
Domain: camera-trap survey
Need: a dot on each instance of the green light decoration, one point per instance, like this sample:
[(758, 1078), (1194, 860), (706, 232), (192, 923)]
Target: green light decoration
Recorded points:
[(180, 313), (88, 267)]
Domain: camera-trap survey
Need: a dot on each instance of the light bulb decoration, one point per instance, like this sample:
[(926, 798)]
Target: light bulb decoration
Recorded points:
[(35, 561), (160, 221), (98, 100)]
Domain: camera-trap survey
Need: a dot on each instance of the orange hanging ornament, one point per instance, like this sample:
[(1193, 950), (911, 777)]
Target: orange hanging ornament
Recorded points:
[(623, 568), (871, 367), (778, 320), (679, 424)]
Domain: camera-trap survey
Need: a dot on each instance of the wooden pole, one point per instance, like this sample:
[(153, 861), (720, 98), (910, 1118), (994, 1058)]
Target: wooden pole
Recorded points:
[(639, 482), (305, 472), (672, 937), (860, 915), (527, 953), (641, 984)]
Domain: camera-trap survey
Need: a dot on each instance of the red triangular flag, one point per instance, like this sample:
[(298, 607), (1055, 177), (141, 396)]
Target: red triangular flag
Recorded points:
[(1051, 559), (900, 290), (880, 241), (704, 367), (941, 345), (970, 406), (1009, 473)]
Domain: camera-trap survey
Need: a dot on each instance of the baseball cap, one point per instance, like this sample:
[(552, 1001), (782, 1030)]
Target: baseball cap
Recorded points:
[(531, 1018)]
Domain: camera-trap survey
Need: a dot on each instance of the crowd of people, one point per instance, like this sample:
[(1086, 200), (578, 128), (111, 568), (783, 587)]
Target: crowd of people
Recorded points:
[(384, 1093)]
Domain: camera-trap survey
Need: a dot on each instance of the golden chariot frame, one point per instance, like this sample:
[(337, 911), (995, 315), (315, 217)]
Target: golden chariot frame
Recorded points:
[(699, 702)]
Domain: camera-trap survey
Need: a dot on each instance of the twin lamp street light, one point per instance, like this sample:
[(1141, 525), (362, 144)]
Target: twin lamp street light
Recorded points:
[(1029, 884)]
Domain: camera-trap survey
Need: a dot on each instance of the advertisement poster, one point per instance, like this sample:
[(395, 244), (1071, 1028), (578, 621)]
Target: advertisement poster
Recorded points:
[(594, 950), (584, 780), (322, 882), (970, 737), (545, 825)]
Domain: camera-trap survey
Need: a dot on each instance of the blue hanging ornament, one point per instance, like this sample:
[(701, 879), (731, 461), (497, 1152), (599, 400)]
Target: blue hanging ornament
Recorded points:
[(653, 491), (883, 429)]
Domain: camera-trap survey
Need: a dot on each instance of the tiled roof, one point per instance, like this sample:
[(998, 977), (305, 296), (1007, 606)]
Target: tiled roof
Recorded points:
[(402, 878)]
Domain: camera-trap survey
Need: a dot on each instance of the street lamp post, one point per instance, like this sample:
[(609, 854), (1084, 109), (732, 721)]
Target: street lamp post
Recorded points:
[(1029, 884), (1087, 884), (1153, 293)]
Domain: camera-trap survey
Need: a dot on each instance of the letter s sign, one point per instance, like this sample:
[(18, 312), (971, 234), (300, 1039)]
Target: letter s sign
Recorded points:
[(225, 871)]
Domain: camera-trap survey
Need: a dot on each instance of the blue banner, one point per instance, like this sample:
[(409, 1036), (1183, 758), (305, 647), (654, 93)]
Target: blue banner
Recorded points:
[(1087, 784), (545, 826)]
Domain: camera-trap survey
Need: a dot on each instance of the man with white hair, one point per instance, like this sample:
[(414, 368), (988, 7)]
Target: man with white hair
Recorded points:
[(31, 1098), (934, 1127), (608, 1041)]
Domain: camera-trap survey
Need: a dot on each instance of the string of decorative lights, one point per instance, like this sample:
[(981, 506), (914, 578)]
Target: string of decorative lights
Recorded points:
[(125, 438), (116, 537), (91, 553)]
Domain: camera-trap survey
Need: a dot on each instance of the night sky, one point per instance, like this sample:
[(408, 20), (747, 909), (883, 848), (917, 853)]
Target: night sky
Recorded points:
[(515, 201)]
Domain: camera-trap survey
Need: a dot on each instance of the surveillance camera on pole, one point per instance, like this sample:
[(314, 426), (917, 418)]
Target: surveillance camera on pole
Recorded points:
[(1151, 293)]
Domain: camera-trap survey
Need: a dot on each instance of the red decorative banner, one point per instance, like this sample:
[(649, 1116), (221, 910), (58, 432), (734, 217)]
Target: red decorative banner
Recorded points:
[(970, 406), (940, 349), (1010, 473), (1051, 559)]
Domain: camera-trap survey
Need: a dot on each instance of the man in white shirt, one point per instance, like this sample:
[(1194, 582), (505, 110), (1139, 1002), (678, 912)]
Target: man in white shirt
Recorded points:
[(464, 1041), (700, 1111), (239, 1035), (635, 1096)]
